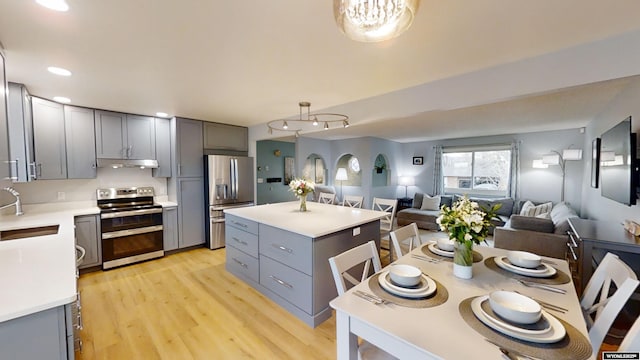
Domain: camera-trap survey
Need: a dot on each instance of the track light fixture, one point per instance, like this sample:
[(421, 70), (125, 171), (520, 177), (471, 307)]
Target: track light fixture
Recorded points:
[(308, 122)]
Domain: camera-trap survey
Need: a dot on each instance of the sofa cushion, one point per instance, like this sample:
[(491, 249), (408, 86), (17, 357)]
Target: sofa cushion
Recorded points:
[(322, 189), (430, 202), (531, 223), (529, 209), (417, 200)]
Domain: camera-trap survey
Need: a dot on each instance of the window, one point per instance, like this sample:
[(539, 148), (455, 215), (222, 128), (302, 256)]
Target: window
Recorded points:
[(477, 171)]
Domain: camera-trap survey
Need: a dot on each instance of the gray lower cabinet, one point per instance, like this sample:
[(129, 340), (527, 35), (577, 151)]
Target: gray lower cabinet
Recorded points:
[(49, 139), (289, 268), (191, 212), (163, 148), (80, 142), (47, 334), (88, 236), (170, 228)]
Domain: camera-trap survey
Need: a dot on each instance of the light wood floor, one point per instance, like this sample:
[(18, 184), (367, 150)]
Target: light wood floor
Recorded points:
[(186, 306)]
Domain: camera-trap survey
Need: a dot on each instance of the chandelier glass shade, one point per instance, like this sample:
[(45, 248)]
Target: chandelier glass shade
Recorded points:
[(374, 20), (309, 122)]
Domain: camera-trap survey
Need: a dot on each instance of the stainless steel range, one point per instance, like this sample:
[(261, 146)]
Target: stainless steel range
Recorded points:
[(131, 226)]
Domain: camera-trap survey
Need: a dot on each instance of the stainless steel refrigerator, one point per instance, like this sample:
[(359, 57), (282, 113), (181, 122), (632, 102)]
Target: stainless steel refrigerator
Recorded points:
[(229, 184)]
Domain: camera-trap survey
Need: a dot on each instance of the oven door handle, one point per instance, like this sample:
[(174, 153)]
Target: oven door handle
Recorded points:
[(121, 233), (118, 214)]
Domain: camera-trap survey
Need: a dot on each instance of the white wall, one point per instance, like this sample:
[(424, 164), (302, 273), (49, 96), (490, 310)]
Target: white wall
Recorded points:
[(594, 206), (46, 191)]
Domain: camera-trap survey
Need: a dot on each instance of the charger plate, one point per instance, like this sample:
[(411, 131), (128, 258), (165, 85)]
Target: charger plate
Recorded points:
[(560, 276), (504, 263), (440, 296)]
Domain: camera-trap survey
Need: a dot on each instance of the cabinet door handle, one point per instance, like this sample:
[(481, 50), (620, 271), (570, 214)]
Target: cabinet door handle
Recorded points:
[(283, 283), (39, 170), (280, 247), (239, 241), (32, 171), (240, 263), (14, 162), (240, 224), (179, 169)]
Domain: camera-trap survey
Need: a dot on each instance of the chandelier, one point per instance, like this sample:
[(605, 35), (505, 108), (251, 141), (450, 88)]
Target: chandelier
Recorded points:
[(308, 121), (374, 20)]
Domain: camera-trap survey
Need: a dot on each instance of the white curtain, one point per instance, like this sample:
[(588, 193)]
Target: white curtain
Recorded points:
[(514, 186), (437, 171)]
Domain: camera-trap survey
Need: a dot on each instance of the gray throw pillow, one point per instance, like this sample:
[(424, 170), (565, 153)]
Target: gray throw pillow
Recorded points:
[(531, 223), (417, 200), (430, 203)]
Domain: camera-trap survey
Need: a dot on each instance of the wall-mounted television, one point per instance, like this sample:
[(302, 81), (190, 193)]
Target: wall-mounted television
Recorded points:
[(618, 172)]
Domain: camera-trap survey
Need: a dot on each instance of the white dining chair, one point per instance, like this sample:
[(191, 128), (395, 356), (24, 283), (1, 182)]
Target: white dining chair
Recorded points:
[(404, 239), (353, 201), (631, 341), (366, 255), (326, 198), (386, 223), (599, 307)]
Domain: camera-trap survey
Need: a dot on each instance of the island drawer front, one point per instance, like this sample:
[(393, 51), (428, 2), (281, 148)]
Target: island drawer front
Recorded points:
[(242, 265), (289, 248), (241, 223), (242, 240), (292, 285)]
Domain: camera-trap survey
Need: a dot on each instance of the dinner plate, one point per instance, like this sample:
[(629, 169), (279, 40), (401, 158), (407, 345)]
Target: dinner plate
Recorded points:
[(555, 334), (433, 247), (541, 326), (549, 270), (426, 288)]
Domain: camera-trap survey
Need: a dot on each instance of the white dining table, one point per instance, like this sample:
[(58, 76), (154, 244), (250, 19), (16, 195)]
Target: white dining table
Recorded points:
[(439, 332)]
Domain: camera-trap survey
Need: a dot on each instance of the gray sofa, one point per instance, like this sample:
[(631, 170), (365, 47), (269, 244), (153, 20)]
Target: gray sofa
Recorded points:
[(542, 236), (321, 188), (426, 219)]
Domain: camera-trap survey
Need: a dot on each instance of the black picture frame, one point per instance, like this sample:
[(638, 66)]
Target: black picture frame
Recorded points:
[(418, 160), (595, 162)]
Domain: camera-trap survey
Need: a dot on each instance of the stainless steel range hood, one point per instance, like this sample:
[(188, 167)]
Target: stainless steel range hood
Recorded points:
[(127, 163)]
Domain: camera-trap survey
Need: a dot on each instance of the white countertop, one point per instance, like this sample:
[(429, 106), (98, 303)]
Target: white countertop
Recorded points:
[(39, 273), (319, 220)]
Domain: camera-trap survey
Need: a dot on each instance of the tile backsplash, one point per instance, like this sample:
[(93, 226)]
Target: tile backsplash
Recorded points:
[(47, 191)]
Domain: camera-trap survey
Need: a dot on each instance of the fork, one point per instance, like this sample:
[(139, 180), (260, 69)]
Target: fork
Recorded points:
[(545, 304), (425, 258), (542, 286), (372, 298)]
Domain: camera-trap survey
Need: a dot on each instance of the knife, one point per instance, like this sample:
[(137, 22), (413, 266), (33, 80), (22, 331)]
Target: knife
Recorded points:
[(368, 297)]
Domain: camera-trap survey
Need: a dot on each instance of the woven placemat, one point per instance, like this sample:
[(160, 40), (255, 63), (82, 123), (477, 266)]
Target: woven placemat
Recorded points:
[(574, 346), (440, 297), (477, 257), (559, 278)]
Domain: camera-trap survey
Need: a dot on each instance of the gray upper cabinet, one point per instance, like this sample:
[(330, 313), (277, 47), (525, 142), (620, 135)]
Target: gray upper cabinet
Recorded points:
[(49, 139), (5, 172), (80, 141), (111, 134), (20, 134), (189, 161), (141, 137), (163, 148), (124, 136), (225, 137)]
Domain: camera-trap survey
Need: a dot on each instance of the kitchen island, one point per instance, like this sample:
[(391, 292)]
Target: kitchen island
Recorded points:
[(283, 253)]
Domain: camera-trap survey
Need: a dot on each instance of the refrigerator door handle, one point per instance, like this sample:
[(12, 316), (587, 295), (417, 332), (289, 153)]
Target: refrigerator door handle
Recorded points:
[(232, 178), (235, 178)]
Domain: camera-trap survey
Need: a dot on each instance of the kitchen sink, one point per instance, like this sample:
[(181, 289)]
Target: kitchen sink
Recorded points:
[(28, 232)]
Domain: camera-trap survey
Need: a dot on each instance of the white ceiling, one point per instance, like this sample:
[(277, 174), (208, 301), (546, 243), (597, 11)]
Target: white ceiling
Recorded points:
[(248, 62)]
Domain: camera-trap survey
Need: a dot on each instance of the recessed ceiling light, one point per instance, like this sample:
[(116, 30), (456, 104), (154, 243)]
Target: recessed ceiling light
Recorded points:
[(57, 5), (61, 99), (162, 114), (59, 71)]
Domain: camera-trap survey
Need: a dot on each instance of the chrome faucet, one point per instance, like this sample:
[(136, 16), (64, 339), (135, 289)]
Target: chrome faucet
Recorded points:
[(17, 203)]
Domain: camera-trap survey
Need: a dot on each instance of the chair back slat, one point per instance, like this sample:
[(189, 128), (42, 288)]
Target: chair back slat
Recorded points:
[(365, 254)]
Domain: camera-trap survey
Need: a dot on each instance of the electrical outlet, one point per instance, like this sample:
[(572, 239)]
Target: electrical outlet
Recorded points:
[(61, 195)]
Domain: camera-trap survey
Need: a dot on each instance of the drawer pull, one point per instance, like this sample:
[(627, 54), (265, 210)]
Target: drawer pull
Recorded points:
[(240, 224), (283, 283), (573, 253), (280, 247), (239, 241), (573, 240), (240, 263)]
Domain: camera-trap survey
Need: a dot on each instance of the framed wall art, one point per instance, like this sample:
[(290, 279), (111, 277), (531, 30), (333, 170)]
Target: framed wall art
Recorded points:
[(418, 160), (595, 162), (319, 171), (289, 170)]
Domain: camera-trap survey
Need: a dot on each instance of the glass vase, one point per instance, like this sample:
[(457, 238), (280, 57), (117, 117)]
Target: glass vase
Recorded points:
[(463, 259), (303, 203)]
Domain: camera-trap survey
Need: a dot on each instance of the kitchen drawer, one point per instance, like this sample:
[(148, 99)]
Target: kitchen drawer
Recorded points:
[(292, 285), (242, 240), (241, 223), (291, 249), (241, 264)]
